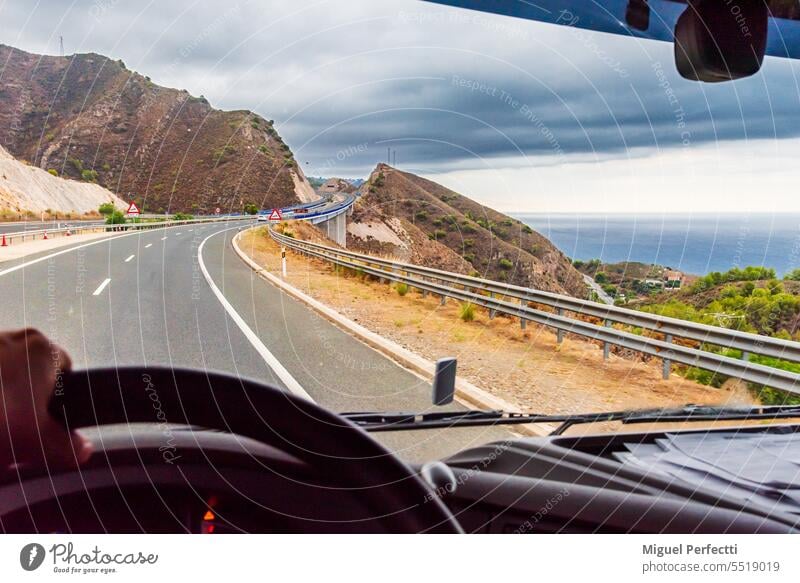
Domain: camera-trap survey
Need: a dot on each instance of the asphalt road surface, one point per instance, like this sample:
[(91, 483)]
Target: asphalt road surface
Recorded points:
[(601, 293), (150, 298)]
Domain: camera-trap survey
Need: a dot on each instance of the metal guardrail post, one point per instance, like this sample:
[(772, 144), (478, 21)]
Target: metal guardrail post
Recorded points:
[(606, 345), (443, 299), (745, 356), (559, 332), (522, 321), (666, 364), (491, 312)]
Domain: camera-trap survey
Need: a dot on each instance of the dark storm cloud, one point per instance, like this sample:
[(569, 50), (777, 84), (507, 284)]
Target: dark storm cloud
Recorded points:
[(345, 79)]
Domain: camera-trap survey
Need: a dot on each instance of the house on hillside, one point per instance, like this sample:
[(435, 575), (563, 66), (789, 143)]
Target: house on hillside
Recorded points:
[(673, 279)]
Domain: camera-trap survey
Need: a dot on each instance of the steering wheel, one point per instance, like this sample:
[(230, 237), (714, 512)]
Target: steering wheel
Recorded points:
[(345, 455)]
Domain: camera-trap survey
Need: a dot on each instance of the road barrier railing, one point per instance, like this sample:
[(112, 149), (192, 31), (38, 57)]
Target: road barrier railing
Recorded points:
[(564, 317), (38, 234)]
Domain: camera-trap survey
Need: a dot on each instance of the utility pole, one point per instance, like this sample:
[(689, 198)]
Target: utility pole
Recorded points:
[(394, 158), (61, 44)]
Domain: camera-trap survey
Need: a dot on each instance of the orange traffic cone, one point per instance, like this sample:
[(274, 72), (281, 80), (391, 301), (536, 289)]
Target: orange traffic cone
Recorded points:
[(45, 235), (69, 232), (4, 244)]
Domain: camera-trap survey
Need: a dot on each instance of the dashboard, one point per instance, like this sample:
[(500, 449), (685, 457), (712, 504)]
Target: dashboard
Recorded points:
[(215, 483)]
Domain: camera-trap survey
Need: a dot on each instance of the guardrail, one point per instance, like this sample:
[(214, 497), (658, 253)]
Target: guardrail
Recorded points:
[(7, 239), (320, 215), (524, 304)]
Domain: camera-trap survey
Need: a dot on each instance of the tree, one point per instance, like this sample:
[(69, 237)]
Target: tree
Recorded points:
[(106, 208), (250, 209), (793, 275)]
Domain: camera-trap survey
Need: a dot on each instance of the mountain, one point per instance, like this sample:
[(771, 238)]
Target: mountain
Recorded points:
[(457, 233), (89, 118), (27, 190)]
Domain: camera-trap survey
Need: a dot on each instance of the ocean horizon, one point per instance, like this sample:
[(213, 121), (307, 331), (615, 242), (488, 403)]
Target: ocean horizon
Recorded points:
[(693, 243)]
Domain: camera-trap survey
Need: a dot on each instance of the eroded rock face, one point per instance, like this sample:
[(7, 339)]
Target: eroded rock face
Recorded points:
[(91, 119), (27, 188), (447, 230)]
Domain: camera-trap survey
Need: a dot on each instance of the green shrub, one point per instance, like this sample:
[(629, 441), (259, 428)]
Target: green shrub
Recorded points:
[(466, 312), (402, 289), (182, 217), (89, 175), (106, 208), (505, 263), (52, 171), (116, 218), (421, 216)]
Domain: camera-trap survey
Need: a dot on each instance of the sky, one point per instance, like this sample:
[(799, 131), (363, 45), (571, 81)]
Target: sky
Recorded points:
[(522, 116)]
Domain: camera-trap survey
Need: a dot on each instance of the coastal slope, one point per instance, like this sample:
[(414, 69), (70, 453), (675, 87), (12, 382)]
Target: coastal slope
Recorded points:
[(416, 219)]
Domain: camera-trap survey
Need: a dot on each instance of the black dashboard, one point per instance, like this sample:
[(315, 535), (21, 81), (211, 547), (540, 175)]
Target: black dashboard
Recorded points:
[(212, 482)]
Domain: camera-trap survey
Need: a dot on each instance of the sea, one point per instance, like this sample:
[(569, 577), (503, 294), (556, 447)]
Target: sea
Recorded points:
[(692, 243)]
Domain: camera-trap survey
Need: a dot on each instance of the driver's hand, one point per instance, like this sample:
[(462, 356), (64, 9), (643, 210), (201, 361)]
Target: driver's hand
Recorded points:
[(29, 364)]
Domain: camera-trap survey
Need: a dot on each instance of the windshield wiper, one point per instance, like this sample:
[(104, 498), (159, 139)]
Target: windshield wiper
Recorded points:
[(376, 422)]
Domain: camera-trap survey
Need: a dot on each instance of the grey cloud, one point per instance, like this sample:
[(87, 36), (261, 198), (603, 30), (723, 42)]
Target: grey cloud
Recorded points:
[(344, 78)]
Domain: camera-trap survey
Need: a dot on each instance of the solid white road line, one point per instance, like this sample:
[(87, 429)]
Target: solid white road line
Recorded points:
[(269, 358), (176, 234), (102, 286), (163, 238), (148, 245), (129, 258)]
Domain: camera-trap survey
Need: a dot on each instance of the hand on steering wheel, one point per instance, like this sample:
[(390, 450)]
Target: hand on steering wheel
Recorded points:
[(31, 367)]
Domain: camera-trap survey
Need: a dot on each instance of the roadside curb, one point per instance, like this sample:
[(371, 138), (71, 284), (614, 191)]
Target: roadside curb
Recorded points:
[(466, 393)]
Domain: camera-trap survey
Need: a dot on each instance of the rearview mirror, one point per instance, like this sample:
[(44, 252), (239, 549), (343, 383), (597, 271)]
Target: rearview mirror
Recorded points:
[(444, 381), (719, 41)]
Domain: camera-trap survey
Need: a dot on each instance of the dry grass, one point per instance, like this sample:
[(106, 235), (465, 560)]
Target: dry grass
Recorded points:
[(526, 367)]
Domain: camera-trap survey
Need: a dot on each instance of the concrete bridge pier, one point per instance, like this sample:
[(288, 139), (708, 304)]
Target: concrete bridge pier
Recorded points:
[(336, 229)]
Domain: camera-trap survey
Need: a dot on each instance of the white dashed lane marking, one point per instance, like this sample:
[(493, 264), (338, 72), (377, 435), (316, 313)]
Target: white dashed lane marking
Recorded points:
[(102, 286)]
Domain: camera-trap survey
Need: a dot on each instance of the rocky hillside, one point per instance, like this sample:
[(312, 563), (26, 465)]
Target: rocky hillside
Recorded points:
[(26, 190), (89, 118), (405, 215)]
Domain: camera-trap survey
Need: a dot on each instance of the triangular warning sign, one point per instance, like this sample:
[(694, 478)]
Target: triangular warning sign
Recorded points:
[(133, 209), (275, 215)]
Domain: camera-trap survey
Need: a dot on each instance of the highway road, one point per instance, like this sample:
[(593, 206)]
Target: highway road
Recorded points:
[(18, 227), (601, 293), (181, 297)]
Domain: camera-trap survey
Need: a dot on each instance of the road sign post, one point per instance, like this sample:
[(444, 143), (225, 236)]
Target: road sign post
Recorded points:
[(283, 262)]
